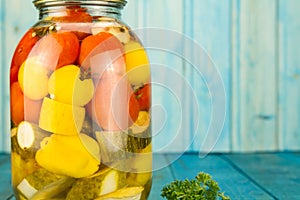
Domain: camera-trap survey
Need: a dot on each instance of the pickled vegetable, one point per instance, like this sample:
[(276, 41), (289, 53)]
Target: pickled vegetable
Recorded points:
[(33, 79), (120, 145), (22, 51), (137, 64), (68, 85), (54, 189), (103, 182), (102, 51), (58, 49), (23, 108), (130, 193), (40, 178), (16, 103), (121, 32), (143, 96), (60, 118), (26, 139), (29, 136), (69, 156), (141, 124), (113, 107)]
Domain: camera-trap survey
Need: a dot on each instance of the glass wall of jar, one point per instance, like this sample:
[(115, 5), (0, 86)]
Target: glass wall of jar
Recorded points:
[(80, 105)]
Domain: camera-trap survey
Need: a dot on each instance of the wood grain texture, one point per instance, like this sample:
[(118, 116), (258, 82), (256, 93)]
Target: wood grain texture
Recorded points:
[(2, 61), (171, 122), (235, 184), (254, 75), (5, 177), (289, 74), (254, 45), (208, 23), (276, 173), (161, 176)]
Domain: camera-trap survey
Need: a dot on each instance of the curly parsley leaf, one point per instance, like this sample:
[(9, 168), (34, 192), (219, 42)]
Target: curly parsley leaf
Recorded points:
[(203, 187)]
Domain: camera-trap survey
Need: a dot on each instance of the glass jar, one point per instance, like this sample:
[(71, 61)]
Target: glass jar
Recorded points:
[(80, 105)]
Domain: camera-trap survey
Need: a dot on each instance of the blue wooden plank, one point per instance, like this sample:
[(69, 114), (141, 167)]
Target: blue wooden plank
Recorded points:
[(235, 185), (169, 114), (161, 176), (277, 173), (171, 118), (5, 177), (254, 93), (130, 13), (208, 23), (2, 48), (254, 54), (289, 74)]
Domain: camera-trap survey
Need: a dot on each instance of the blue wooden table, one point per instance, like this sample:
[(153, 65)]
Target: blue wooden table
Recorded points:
[(242, 176)]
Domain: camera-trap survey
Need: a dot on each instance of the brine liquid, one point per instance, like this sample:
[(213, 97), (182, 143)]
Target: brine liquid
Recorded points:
[(49, 185), (80, 101)]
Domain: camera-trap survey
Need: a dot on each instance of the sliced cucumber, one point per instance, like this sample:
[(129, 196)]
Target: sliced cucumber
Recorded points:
[(42, 184), (138, 179), (130, 193), (117, 146), (113, 145), (29, 135), (138, 141), (41, 178), (110, 182), (25, 135), (26, 139), (26, 189), (54, 189), (101, 183)]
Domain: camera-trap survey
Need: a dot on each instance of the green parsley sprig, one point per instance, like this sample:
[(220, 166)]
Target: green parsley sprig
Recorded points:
[(203, 187)]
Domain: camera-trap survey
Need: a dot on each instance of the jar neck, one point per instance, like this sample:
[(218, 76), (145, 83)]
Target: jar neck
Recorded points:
[(95, 8)]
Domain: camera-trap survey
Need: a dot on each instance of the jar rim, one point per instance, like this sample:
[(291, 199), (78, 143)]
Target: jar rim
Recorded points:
[(113, 3)]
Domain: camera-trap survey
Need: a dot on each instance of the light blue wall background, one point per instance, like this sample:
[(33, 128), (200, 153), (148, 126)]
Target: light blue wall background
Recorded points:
[(255, 45)]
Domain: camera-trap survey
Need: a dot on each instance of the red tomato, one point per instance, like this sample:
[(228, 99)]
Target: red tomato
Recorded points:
[(23, 108), (58, 49), (102, 51), (21, 53), (16, 103), (143, 96), (134, 108), (74, 14)]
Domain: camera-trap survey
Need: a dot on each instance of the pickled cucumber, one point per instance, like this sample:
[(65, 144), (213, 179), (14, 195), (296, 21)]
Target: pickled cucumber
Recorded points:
[(112, 145), (21, 168), (26, 139), (118, 145), (138, 141), (41, 177), (130, 193), (105, 181), (42, 183), (54, 189), (137, 179)]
